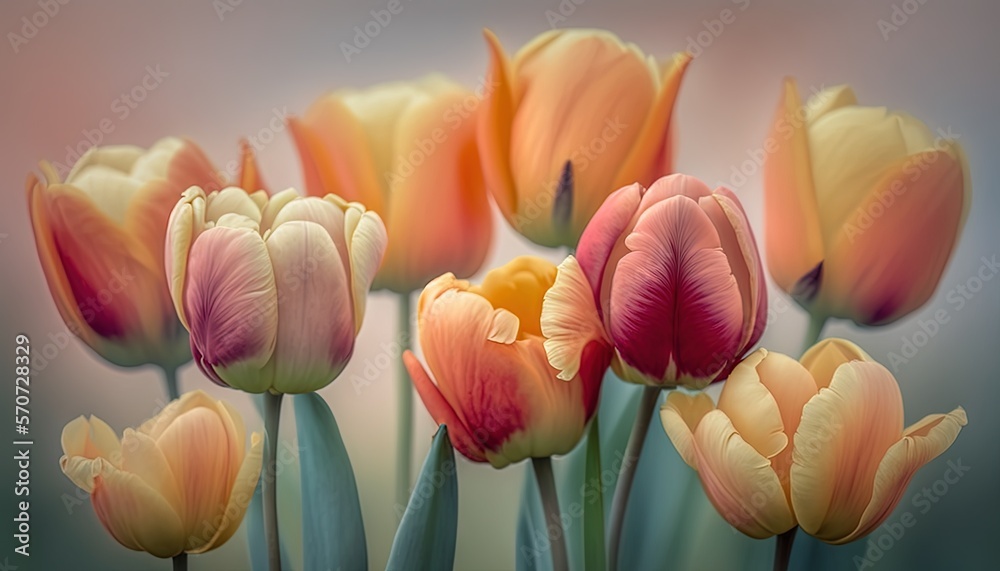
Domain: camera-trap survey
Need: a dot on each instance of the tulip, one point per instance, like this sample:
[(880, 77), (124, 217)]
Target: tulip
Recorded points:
[(818, 443), (179, 484), (494, 388), (407, 150), (575, 115), (863, 206), (100, 237), (669, 276), (272, 290)]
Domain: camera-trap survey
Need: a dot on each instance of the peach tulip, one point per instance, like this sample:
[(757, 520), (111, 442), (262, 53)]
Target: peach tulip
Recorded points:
[(669, 276), (179, 484), (494, 388), (864, 206), (573, 116), (100, 238), (818, 443), (406, 150), (272, 290)]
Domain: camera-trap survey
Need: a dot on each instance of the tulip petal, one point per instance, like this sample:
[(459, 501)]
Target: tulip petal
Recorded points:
[(844, 434), (739, 481), (232, 305), (315, 333), (823, 358), (676, 310), (752, 409), (794, 241), (680, 415), (921, 443), (231, 200), (888, 258), (239, 500), (606, 233), (652, 153), (197, 448), (323, 212), (569, 319), (141, 456), (366, 241), (136, 515), (441, 411), (187, 221), (91, 438), (493, 131), (249, 178)]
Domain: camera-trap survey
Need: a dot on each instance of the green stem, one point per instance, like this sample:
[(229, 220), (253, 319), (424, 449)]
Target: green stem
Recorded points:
[(815, 331), (181, 562), (650, 395), (272, 416), (550, 503), (783, 549), (404, 417), (170, 380)]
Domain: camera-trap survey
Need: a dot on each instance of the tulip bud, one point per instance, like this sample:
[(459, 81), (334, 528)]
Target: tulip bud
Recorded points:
[(669, 276), (863, 206), (179, 484), (272, 290), (493, 386), (817, 443), (575, 115), (407, 150), (100, 239)]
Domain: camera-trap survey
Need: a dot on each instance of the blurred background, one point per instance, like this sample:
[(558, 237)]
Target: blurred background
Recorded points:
[(226, 69)]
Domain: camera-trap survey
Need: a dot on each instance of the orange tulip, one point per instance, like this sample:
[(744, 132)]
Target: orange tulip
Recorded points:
[(181, 483), (864, 206), (573, 116), (818, 443), (407, 151), (100, 237)]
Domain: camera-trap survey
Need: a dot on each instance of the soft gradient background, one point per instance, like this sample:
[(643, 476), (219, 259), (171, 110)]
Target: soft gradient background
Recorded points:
[(227, 78)]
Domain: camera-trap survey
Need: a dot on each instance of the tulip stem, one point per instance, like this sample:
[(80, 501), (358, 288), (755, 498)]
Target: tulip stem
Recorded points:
[(404, 428), (783, 549), (815, 331), (170, 380), (643, 416), (269, 480), (181, 562), (542, 467)]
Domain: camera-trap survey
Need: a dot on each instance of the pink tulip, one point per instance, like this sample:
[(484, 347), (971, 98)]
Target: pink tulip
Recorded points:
[(495, 389), (669, 276), (100, 240), (273, 289)]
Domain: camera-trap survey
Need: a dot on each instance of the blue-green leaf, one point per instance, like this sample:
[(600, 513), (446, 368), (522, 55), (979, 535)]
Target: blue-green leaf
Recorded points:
[(256, 540), (428, 531), (333, 531)]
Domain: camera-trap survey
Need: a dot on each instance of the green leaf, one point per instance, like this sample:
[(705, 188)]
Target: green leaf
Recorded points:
[(428, 532), (593, 507), (333, 531)]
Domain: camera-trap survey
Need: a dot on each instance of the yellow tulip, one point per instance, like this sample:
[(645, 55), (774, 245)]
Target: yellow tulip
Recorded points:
[(574, 116), (817, 443), (863, 206), (407, 151), (179, 484)]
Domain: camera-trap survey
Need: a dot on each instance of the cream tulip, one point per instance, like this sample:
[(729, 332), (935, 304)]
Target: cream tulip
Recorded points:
[(863, 206), (818, 443), (180, 483)]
